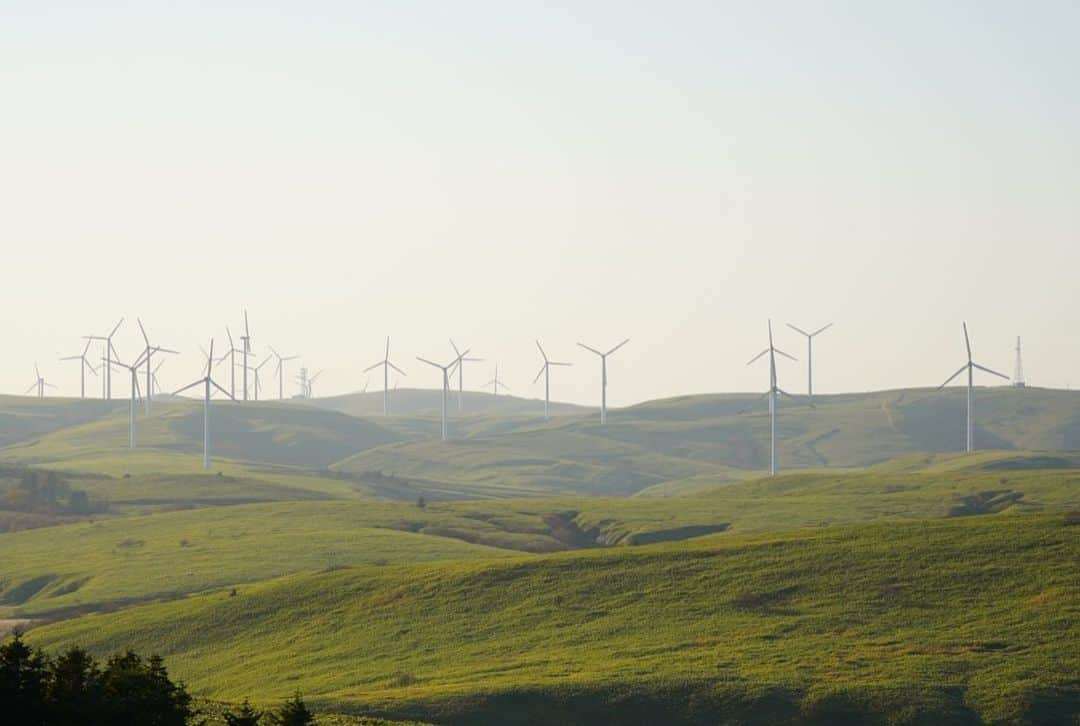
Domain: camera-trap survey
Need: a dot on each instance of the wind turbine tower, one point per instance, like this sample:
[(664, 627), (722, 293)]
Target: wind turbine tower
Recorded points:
[(39, 384), (110, 351), (134, 370), (810, 356), (386, 366), (1018, 373), (280, 370), (545, 371), (496, 384), (446, 369), (462, 359), (603, 375), (774, 390), (83, 365), (206, 381), (970, 367)]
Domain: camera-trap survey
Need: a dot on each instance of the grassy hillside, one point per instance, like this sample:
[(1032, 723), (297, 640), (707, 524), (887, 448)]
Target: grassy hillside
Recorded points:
[(422, 402), (106, 563), (22, 417), (951, 621), (270, 433)]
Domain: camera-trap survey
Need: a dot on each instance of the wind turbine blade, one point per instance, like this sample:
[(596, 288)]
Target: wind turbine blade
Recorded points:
[(387, 356), (430, 363), (48, 385), (542, 353), (557, 363), (274, 351), (31, 388), (247, 330), (785, 354), (117, 327), (72, 357), (372, 367), (189, 386), (143, 331), (91, 367), (797, 329), (821, 330), (967, 342), (210, 358), (953, 376), (770, 334), (592, 350), (984, 369), (312, 379), (757, 357), (542, 369), (618, 346), (456, 351), (229, 333), (396, 368), (215, 385), (154, 372), (166, 350), (36, 371), (87, 348)]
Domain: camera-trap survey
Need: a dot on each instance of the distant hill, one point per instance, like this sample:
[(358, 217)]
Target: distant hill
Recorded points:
[(428, 402)]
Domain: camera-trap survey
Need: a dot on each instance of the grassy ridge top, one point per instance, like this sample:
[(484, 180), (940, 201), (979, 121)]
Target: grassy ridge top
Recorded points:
[(944, 621)]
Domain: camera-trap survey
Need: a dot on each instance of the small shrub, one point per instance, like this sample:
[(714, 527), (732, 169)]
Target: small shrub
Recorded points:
[(1072, 518), (184, 543), (402, 679)]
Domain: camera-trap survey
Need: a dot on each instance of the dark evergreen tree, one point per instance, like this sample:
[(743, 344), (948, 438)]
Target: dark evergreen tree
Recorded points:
[(23, 679), (294, 713), (246, 716)]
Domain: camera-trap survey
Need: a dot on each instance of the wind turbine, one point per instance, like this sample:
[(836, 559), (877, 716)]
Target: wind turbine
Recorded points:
[(495, 383), (387, 365), (207, 382), (307, 383), (545, 371), (810, 356), (256, 369), (280, 370), (134, 369), (39, 384), (970, 367), (109, 352), (462, 359), (82, 368), (446, 369), (147, 353), (231, 355), (153, 376), (603, 376), (773, 390), (245, 339)]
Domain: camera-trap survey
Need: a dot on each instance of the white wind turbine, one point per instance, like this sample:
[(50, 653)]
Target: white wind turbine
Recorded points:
[(970, 367), (810, 356), (110, 351), (603, 375), (246, 341), (496, 384), (147, 353), (39, 384), (545, 371), (256, 369), (774, 389), (308, 382), (231, 355), (135, 394), (446, 369), (279, 370), (386, 366), (460, 361), (206, 381), (84, 364)]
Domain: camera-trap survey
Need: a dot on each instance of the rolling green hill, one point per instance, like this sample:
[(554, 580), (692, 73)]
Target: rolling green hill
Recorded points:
[(427, 403), (954, 621)]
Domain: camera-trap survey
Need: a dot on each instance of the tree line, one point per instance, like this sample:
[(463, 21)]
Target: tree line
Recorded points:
[(37, 689)]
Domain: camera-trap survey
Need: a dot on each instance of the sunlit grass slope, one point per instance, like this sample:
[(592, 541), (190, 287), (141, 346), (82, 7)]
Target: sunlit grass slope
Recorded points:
[(112, 562), (949, 621)]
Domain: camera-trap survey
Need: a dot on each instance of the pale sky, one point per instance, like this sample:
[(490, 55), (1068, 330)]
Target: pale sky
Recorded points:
[(671, 172)]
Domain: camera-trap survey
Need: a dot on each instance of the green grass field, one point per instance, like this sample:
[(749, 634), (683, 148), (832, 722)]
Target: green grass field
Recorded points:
[(947, 621)]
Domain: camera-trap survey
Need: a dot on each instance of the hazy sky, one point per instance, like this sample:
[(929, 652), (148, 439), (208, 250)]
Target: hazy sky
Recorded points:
[(672, 172)]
